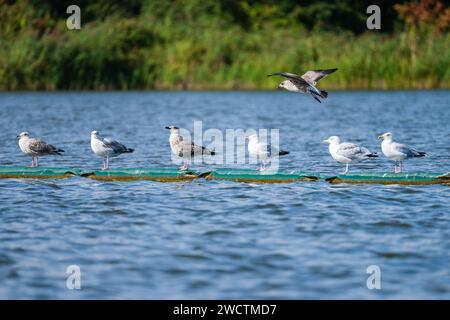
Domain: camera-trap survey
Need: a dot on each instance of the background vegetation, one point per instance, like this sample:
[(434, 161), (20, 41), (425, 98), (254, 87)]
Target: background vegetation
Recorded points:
[(221, 44)]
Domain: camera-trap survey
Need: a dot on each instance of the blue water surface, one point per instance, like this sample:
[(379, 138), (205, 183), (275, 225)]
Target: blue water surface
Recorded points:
[(223, 239)]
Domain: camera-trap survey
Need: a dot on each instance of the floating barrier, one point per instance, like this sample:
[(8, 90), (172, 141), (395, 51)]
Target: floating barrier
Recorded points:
[(392, 178), (248, 175), (163, 174), (241, 175), (37, 172)]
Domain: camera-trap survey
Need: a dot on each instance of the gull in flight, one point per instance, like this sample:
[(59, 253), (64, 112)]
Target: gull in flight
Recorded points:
[(107, 148), (397, 151), (263, 151), (305, 83), (184, 148), (36, 148), (347, 152)]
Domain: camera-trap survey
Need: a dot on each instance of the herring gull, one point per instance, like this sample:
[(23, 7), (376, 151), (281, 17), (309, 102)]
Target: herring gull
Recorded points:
[(36, 148), (305, 83), (347, 152), (107, 148), (184, 148), (397, 151), (263, 151)]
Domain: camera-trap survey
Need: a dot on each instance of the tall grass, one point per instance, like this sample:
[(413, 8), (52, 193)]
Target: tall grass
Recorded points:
[(168, 51)]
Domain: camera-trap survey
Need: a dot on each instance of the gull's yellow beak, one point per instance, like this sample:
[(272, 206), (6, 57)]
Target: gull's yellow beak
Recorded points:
[(380, 136)]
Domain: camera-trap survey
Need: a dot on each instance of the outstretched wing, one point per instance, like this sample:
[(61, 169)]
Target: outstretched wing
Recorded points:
[(314, 76), (296, 78)]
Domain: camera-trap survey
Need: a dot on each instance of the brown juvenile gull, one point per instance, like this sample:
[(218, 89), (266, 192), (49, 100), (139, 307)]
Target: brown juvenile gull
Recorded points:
[(36, 148), (107, 148), (184, 148), (305, 83)]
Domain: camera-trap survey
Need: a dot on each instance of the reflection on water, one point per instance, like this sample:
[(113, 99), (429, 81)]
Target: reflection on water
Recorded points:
[(219, 239)]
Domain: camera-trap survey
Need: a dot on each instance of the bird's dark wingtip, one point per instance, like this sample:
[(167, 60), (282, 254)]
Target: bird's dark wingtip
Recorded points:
[(422, 154), (317, 99)]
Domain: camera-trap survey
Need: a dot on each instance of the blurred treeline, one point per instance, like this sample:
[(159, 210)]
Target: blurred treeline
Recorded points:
[(221, 44)]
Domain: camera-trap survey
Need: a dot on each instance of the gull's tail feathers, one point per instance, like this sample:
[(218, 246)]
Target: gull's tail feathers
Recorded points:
[(315, 95), (56, 151)]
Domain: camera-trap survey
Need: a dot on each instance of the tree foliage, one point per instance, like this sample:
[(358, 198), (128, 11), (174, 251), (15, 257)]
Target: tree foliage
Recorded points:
[(220, 44)]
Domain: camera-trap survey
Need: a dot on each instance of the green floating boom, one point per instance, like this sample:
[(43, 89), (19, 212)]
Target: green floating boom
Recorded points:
[(37, 172), (392, 178), (163, 174), (266, 176), (241, 175)]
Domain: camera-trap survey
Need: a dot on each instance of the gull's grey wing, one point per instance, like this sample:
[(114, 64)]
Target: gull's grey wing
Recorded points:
[(186, 149), (116, 146), (349, 150), (313, 76), (291, 76), (41, 147), (198, 150), (409, 152), (272, 151), (269, 151)]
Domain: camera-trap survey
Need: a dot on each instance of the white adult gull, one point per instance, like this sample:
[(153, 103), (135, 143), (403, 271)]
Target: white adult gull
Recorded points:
[(397, 151), (305, 83), (36, 148), (347, 152), (107, 148), (184, 149), (263, 151)]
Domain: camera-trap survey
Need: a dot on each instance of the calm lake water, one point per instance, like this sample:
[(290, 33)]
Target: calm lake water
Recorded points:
[(216, 239)]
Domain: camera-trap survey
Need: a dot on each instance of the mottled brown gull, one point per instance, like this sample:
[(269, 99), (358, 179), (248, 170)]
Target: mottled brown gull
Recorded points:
[(305, 83), (184, 149), (36, 148)]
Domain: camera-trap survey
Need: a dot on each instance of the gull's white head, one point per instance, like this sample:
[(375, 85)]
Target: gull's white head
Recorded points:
[(173, 129), (23, 135), (252, 138), (94, 133), (332, 140), (386, 136), (285, 84)]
